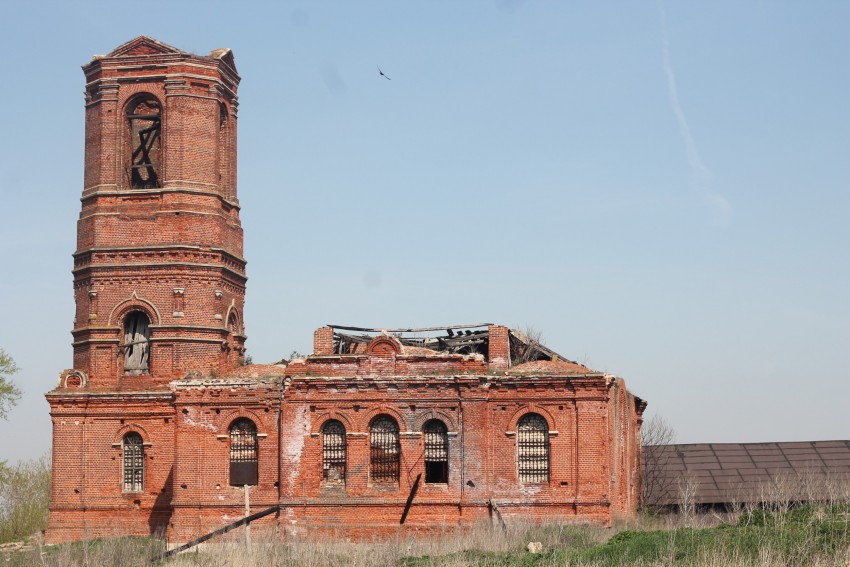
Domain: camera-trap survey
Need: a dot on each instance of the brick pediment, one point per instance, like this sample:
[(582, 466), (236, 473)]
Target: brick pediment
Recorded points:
[(143, 45)]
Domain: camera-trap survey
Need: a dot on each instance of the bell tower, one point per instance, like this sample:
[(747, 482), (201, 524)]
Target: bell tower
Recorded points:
[(159, 277)]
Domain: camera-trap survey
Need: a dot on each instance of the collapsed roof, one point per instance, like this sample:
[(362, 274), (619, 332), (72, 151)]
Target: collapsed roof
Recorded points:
[(453, 339)]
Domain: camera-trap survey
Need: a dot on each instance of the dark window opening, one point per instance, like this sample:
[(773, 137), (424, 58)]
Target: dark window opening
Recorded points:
[(243, 453), (533, 449), (436, 452), (384, 450), (333, 452), (133, 463), (137, 336), (144, 118)]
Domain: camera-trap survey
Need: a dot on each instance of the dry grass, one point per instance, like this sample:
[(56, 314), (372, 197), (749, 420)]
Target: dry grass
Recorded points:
[(809, 536)]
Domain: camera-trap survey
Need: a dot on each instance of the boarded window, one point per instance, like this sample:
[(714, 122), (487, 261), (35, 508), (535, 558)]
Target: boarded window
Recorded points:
[(133, 462), (333, 452), (436, 452), (137, 336), (144, 123), (243, 452), (384, 450), (532, 438)]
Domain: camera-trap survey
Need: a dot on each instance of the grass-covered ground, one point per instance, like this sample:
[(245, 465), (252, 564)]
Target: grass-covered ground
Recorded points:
[(816, 536)]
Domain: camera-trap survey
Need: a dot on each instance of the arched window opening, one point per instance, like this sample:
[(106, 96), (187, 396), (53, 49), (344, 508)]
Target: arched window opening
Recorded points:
[(243, 452), (436, 452), (333, 452), (137, 336), (144, 123), (133, 462), (384, 450), (533, 449), (233, 323)]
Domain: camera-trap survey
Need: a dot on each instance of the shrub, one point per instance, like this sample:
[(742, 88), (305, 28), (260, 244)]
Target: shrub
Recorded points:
[(24, 497)]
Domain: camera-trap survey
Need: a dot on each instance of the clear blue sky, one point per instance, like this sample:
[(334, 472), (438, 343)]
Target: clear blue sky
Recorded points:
[(660, 188)]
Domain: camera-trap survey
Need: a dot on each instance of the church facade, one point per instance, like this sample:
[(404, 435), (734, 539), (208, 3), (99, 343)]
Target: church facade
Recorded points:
[(161, 427)]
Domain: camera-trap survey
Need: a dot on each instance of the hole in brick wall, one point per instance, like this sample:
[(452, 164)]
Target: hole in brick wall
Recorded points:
[(266, 410), (217, 411), (183, 486), (356, 408), (560, 407), (121, 421), (166, 420), (564, 483), (412, 408), (76, 491), (276, 484), (185, 411), (312, 408)]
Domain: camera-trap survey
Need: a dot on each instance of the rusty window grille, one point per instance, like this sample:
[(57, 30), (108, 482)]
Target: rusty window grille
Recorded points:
[(385, 452), (137, 336), (533, 448), (144, 121), (436, 452), (133, 462), (243, 452), (333, 452)]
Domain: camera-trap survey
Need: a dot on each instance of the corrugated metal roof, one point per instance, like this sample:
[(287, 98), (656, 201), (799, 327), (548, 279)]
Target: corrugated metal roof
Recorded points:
[(728, 473)]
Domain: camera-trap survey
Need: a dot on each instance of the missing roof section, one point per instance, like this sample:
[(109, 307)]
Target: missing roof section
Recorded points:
[(454, 339)]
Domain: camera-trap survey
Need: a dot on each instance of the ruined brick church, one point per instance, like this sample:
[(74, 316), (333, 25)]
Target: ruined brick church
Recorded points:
[(161, 425)]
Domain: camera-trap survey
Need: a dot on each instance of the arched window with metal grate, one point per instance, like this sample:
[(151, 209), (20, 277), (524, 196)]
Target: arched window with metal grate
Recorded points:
[(532, 439), (384, 450), (243, 452), (436, 452), (333, 452), (133, 462)]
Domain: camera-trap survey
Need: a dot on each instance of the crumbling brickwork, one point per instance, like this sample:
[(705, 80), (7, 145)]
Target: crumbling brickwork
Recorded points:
[(158, 426)]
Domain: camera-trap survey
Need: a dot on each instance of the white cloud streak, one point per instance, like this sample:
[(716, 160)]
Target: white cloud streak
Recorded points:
[(700, 173)]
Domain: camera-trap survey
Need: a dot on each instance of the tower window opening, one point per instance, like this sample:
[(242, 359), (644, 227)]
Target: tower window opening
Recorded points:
[(137, 337), (144, 120)]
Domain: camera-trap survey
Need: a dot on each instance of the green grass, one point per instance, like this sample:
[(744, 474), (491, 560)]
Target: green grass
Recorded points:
[(799, 537)]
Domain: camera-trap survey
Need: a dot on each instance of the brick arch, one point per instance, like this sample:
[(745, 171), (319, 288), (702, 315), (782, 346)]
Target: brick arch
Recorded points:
[(134, 303), (118, 437), (226, 420), (370, 416), (384, 345), (232, 311), (321, 419), (531, 408), (418, 422), (73, 378), (137, 97)]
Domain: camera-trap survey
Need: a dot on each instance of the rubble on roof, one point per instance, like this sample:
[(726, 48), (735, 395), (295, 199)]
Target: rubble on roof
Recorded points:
[(452, 339)]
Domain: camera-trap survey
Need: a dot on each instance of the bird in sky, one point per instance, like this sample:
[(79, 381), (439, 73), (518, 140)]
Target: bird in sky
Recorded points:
[(382, 74)]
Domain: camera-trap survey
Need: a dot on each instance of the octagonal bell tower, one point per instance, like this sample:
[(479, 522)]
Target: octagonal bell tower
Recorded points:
[(159, 277)]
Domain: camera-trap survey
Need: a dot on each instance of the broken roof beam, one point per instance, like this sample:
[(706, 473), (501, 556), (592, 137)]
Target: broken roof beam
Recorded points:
[(411, 330)]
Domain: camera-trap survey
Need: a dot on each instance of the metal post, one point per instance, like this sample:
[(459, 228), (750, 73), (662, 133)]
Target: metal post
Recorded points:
[(247, 524)]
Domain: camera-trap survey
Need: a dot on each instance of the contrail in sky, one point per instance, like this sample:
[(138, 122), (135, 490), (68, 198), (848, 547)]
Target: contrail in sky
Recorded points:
[(700, 172)]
